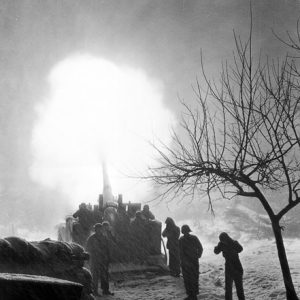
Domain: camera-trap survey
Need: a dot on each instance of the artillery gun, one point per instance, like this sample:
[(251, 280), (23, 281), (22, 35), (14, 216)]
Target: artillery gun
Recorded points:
[(136, 243)]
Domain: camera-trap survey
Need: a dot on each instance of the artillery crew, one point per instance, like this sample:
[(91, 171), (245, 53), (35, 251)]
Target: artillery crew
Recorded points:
[(190, 251), (84, 216), (172, 233), (233, 267), (81, 229), (134, 241), (98, 246), (147, 214)]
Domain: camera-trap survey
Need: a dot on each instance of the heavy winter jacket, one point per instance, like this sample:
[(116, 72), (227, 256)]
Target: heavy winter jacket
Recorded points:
[(98, 246), (231, 252), (190, 249), (172, 233)]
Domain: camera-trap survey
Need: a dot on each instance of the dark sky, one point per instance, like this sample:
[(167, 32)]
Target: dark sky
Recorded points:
[(163, 38)]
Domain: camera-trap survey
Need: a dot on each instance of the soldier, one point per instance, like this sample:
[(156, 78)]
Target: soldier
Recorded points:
[(233, 267), (98, 248), (147, 214), (172, 233), (190, 250), (139, 237), (82, 229), (84, 216)]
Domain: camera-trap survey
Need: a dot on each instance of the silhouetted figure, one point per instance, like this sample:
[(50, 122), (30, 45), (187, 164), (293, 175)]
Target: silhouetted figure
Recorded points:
[(122, 233), (82, 228), (98, 248), (132, 209), (139, 237), (233, 267), (190, 250), (84, 216), (147, 214), (112, 241), (172, 233)]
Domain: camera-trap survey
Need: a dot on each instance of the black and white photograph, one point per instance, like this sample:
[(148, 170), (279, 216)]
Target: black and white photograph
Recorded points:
[(149, 149)]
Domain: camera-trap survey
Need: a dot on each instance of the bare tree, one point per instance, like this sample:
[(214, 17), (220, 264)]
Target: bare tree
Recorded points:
[(242, 138)]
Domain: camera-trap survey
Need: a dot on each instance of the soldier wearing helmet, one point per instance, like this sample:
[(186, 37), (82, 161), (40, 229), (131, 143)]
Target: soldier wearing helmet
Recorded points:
[(190, 250)]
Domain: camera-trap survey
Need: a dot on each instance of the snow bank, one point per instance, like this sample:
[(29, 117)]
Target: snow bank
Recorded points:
[(262, 275)]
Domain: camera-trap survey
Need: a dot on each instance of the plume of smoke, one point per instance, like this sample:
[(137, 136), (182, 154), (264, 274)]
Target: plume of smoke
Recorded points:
[(97, 110)]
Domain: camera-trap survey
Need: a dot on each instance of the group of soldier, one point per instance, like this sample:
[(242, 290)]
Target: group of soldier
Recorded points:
[(184, 254), (184, 251), (129, 239)]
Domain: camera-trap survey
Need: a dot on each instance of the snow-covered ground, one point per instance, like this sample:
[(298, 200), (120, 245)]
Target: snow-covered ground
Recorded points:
[(262, 276)]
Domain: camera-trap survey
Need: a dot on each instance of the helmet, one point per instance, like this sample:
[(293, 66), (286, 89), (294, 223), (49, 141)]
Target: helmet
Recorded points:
[(185, 229)]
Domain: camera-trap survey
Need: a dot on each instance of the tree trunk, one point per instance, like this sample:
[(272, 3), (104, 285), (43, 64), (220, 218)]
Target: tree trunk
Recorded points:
[(287, 278)]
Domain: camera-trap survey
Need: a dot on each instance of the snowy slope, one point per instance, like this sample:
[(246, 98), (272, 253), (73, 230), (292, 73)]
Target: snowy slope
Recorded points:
[(262, 277)]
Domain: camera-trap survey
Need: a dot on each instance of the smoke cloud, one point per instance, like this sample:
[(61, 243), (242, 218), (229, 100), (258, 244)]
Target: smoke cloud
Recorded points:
[(97, 110)]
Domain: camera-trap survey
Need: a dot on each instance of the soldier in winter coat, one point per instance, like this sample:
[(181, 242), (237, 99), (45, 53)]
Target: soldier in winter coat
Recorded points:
[(98, 246), (172, 233), (233, 267), (190, 250)]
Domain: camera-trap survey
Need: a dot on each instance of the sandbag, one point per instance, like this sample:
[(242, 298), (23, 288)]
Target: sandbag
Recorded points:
[(32, 287), (48, 258)]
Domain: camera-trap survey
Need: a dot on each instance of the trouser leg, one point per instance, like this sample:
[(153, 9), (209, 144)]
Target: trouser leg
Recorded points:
[(174, 263), (185, 275), (95, 276), (171, 262), (104, 277), (228, 287), (239, 287), (191, 279)]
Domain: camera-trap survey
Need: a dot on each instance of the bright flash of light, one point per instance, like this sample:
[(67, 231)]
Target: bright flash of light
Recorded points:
[(97, 110)]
